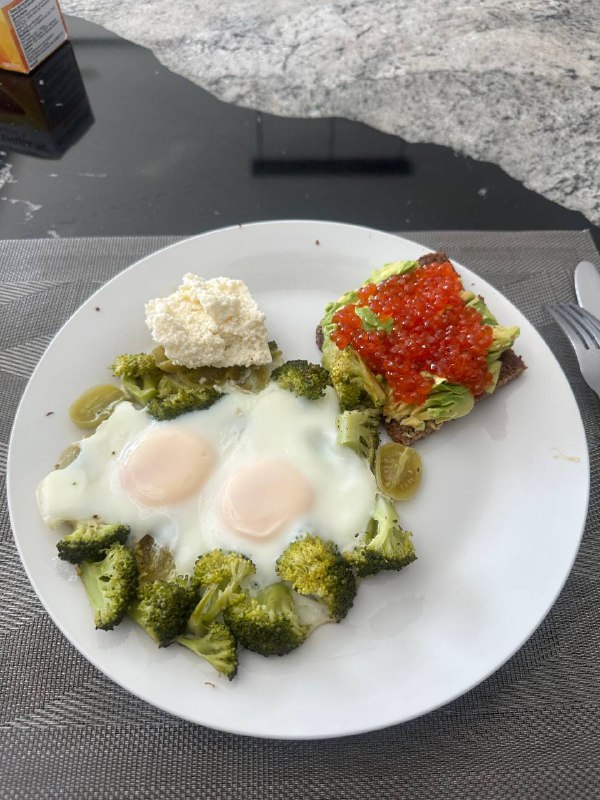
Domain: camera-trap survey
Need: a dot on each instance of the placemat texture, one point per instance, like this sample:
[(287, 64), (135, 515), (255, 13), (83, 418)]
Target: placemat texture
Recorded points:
[(532, 730)]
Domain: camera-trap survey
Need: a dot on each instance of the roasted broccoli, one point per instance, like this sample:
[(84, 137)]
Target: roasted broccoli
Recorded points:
[(177, 394), (90, 540), (220, 575), (276, 353), (110, 585), (268, 622), (311, 612), (134, 365), (139, 376), (354, 383), (163, 607), (316, 568), (359, 429), (220, 567), (385, 545), (302, 378), (154, 563), (217, 645)]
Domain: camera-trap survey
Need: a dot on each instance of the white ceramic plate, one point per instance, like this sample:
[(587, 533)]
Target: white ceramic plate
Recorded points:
[(497, 522)]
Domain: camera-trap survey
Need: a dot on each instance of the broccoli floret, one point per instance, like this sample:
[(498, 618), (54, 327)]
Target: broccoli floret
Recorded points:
[(222, 568), (274, 350), (181, 399), (134, 365), (217, 645), (154, 563), (385, 545), (110, 585), (268, 622), (220, 575), (302, 378), (139, 376), (163, 607), (316, 568), (171, 383), (359, 429), (311, 612), (354, 383), (90, 540)]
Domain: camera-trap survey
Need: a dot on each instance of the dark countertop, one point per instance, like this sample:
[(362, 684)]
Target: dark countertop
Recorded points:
[(153, 153)]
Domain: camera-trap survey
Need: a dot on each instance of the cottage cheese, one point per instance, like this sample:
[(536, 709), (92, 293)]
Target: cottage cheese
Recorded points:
[(213, 323)]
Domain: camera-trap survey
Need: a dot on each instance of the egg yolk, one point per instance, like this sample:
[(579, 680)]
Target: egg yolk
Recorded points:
[(262, 498), (167, 466)]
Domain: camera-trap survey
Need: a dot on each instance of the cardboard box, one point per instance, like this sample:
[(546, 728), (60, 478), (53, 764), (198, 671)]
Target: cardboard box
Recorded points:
[(29, 31), (43, 114)]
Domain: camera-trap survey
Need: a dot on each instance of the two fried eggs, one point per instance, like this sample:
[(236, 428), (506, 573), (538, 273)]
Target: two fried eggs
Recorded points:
[(250, 474)]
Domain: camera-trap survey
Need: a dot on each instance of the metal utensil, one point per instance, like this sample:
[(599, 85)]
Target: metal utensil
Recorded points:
[(583, 331), (587, 287)]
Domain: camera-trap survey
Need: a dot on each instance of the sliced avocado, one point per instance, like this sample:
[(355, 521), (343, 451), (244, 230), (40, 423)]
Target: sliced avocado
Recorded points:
[(371, 322), (503, 340), (446, 401), (326, 324), (475, 301), (392, 268)]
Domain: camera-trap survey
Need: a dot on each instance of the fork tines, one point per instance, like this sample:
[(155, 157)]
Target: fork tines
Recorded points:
[(577, 321)]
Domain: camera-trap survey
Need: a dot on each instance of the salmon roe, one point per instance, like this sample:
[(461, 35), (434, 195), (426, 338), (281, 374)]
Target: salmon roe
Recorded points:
[(433, 331)]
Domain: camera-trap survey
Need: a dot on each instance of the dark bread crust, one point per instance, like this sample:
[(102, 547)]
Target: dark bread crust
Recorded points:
[(430, 258), (319, 337), (512, 366)]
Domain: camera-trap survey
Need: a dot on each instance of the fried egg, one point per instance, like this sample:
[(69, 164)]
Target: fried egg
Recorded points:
[(250, 474)]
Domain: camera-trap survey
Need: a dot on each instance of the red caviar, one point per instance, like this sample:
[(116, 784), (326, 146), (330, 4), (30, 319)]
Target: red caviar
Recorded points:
[(433, 331)]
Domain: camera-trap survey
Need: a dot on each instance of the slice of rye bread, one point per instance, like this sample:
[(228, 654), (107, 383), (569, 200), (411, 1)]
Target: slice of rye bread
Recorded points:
[(512, 366)]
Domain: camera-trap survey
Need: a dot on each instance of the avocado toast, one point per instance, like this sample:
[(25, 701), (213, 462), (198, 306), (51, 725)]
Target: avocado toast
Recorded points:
[(414, 343)]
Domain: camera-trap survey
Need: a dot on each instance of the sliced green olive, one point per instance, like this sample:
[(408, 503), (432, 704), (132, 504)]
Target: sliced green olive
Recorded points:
[(162, 362), (398, 470), (95, 405), (68, 455)]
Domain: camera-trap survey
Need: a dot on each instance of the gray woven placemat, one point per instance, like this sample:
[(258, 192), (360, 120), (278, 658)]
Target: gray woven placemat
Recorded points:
[(532, 730)]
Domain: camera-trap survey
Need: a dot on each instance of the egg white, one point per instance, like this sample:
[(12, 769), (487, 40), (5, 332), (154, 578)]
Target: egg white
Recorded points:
[(243, 429)]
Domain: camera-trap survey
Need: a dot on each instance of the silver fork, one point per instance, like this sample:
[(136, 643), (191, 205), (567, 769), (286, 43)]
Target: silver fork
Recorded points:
[(583, 331)]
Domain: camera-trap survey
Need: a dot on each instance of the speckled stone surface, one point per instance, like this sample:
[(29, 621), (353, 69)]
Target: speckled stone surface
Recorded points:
[(517, 84)]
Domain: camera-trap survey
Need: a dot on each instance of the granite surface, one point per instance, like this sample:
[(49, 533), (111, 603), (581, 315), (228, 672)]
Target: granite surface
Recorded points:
[(514, 84)]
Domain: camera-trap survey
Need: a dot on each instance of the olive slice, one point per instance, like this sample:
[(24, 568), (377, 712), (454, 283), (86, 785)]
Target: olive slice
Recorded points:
[(95, 405), (68, 455), (162, 362), (397, 470)]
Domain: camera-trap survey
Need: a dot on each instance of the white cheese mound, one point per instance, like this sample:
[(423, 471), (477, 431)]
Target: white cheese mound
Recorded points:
[(212, 323)]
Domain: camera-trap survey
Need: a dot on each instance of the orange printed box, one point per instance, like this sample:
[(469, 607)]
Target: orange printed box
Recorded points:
[(29, 31)]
